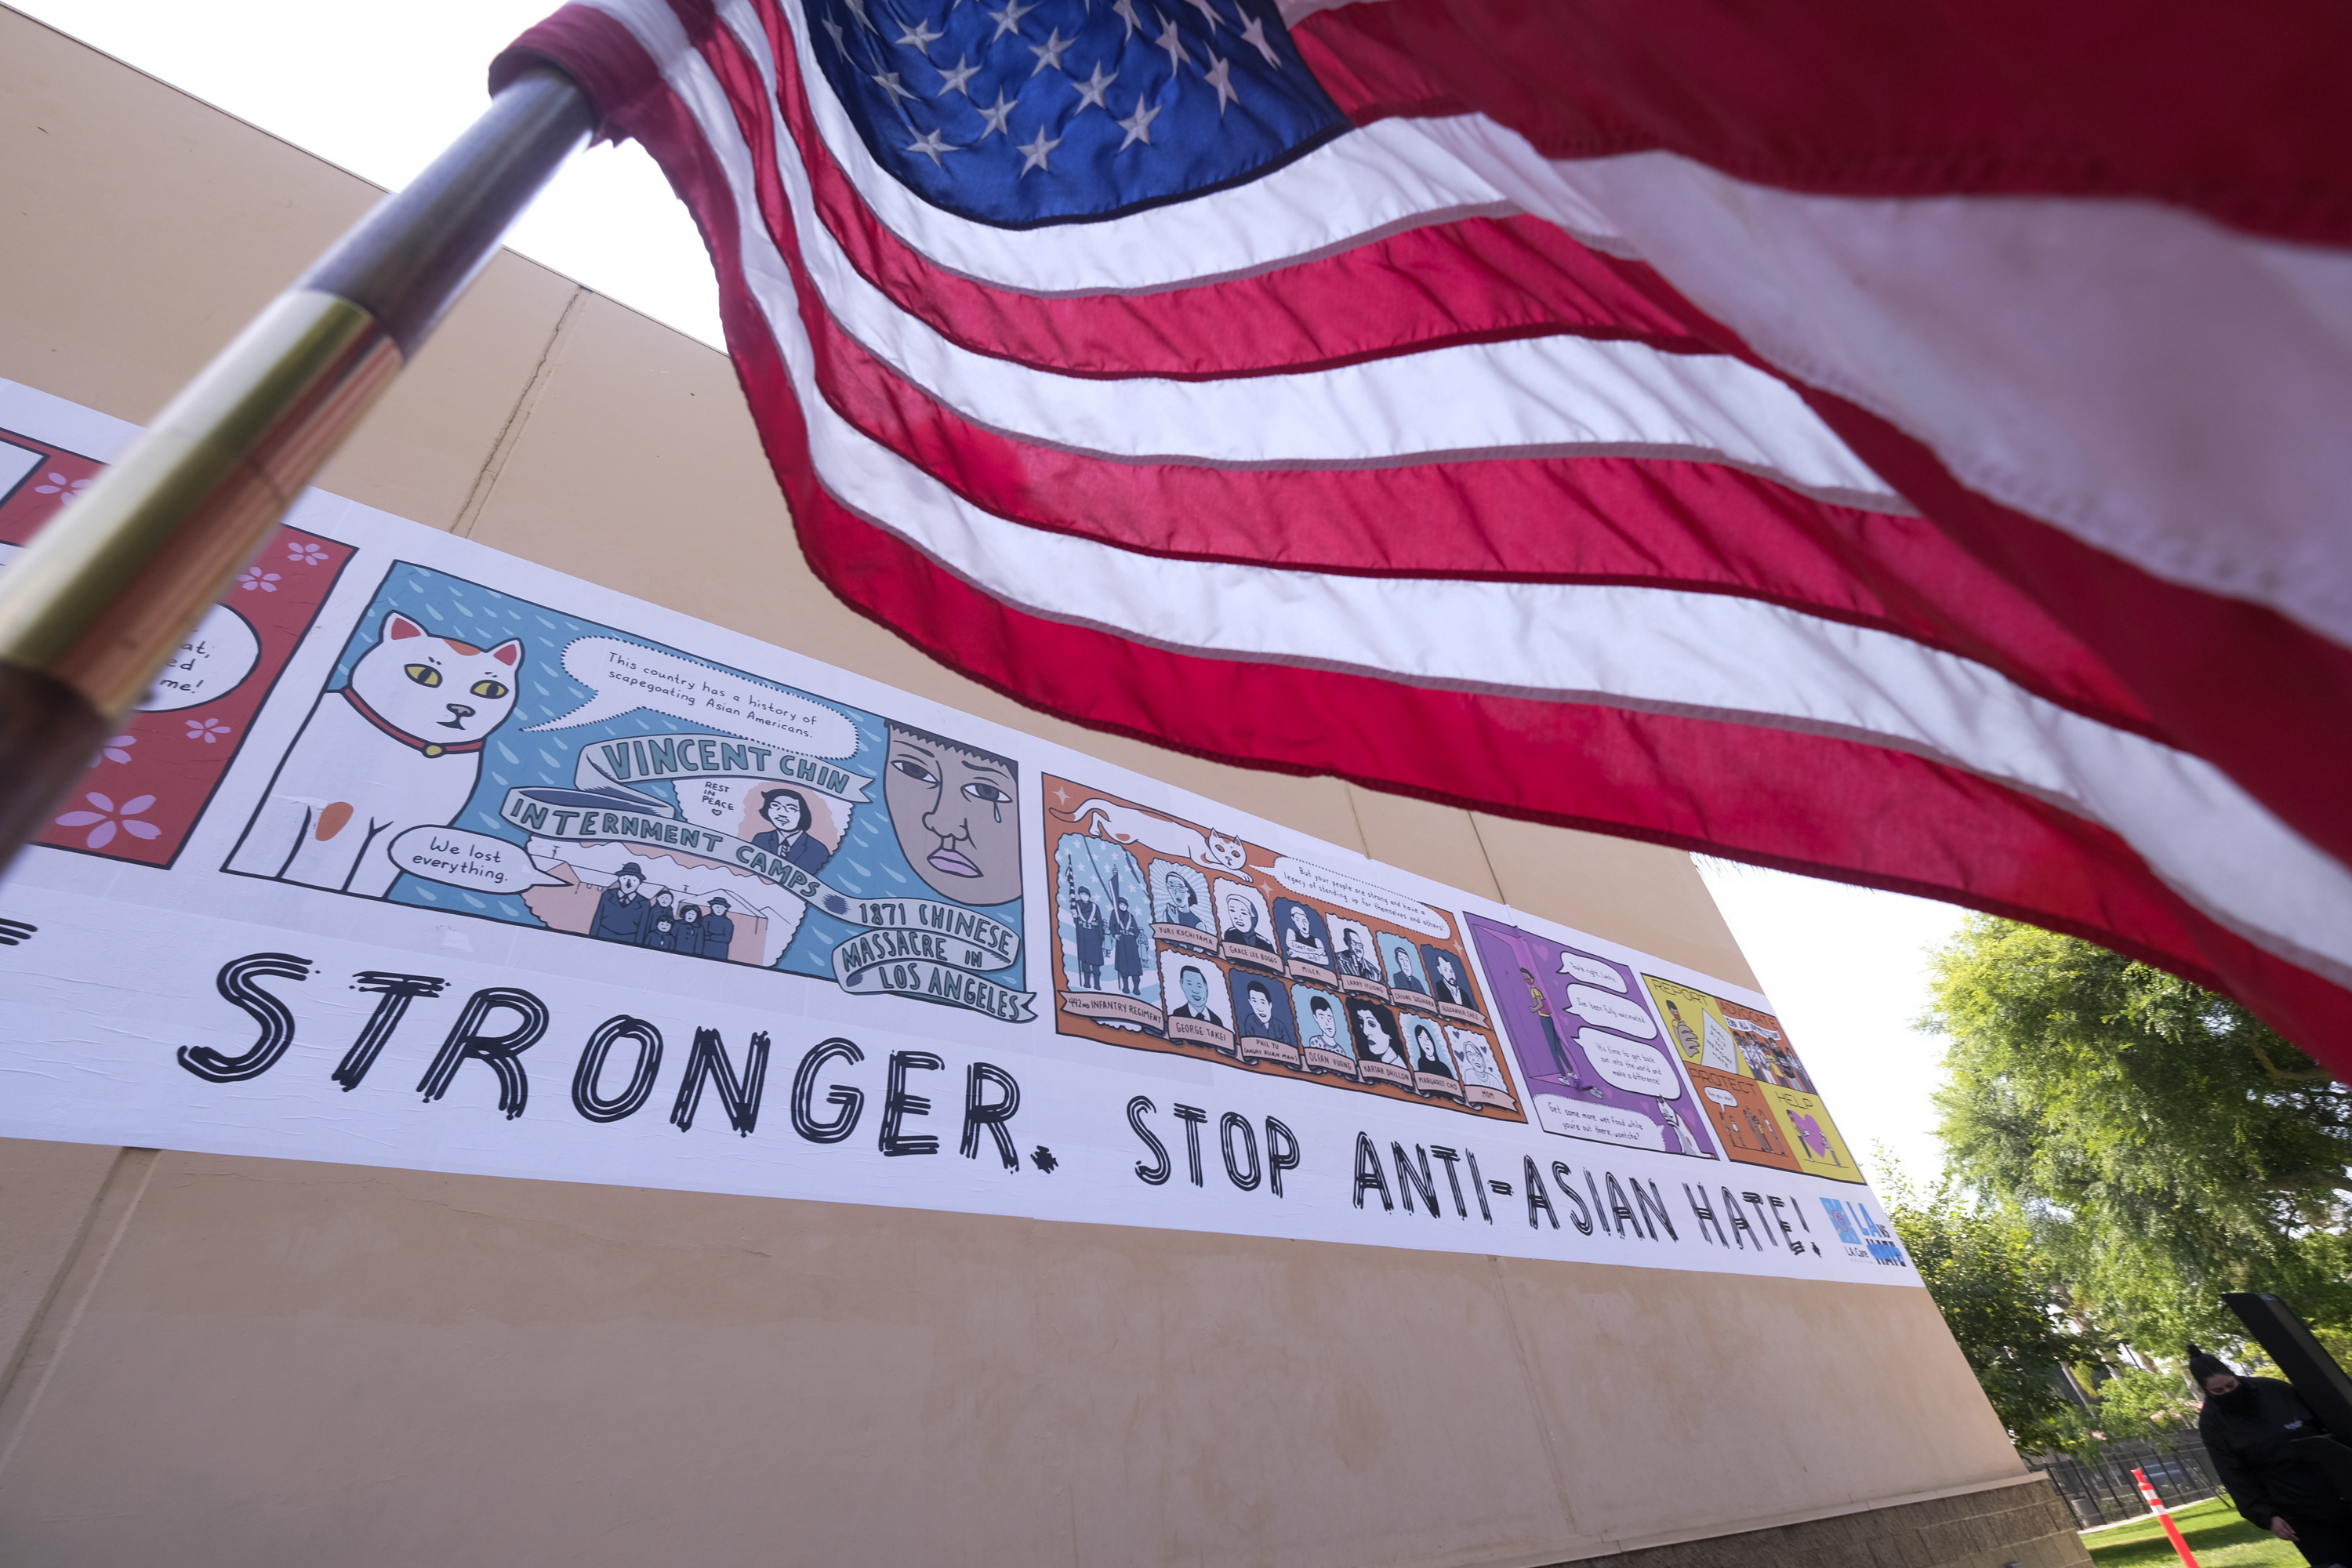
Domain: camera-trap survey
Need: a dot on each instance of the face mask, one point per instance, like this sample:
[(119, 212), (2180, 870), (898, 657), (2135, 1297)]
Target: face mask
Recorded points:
[(2238, 1400)]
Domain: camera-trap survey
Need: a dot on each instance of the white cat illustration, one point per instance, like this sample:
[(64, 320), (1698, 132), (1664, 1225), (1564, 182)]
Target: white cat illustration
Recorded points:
[(398, 746)]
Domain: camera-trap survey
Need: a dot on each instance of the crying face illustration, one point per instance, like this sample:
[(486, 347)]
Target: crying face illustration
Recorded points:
[(957, 815)]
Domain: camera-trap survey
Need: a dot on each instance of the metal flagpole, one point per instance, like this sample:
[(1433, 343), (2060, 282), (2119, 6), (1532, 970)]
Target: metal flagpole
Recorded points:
[(103, 593)]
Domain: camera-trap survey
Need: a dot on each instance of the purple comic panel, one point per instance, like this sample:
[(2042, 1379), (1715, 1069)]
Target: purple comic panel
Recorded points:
[(1587, 1044)]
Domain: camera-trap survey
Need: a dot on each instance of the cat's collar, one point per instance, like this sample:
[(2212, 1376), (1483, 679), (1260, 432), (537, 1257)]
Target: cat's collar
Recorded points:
[(430, 748)]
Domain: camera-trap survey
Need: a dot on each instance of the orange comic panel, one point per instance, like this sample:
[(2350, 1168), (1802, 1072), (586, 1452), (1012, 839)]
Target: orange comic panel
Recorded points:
[(1765, 1049), (1175, 937), (1744, 1123)]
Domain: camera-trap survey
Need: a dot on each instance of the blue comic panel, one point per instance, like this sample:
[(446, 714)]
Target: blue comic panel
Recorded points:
[(477, 754)]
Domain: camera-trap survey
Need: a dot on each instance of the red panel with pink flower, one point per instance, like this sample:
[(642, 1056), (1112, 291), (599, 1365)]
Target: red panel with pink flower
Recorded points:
[(161, 768)]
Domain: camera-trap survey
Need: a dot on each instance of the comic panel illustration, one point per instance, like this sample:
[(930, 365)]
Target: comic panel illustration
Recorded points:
[(1325, 1042), (1114, 955), (1698, 1026), (1262, 1018), (1814, 1139), (1483, 1078), (1593, 1057), (1450, 985), (155, 776), (477, 754), (1746, 1126), (1306, 938), (1180, 906), (1760, 1097), (1200, 1004), (1257, 959)]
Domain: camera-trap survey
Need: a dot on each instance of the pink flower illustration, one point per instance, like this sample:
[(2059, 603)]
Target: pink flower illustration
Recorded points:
[(64, 488), (206, 729), (255, 577), (102, 822), (117, 750), (303, 552)]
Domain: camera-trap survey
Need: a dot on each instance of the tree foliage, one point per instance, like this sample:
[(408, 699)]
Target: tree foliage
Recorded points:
[(2161, 1145), (2000, 1300), (2142, 1405)]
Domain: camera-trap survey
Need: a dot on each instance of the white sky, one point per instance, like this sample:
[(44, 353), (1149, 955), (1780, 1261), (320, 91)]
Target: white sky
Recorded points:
[(380, 89)]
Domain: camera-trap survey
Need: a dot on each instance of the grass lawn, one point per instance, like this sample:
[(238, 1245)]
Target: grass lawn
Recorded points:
[(2219, 1537)]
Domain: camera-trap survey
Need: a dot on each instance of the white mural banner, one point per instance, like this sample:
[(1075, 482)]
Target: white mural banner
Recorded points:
[(426, 857)]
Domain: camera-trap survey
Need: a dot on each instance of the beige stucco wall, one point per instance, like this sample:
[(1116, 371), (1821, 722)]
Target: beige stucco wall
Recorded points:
[(216, 1360)]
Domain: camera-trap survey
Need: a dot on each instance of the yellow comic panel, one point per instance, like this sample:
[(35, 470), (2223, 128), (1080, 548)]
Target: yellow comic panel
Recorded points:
[(1696, 1024), (1813, 1138)]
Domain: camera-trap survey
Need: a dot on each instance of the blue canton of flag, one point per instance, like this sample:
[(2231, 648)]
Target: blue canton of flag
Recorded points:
[(1024, 112)]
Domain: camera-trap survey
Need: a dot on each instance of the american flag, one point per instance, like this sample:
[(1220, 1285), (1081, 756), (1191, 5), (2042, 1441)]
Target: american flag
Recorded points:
[(1902, 445)]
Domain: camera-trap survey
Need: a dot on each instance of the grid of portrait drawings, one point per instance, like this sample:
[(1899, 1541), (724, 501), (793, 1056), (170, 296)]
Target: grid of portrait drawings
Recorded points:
[(1173, 936)]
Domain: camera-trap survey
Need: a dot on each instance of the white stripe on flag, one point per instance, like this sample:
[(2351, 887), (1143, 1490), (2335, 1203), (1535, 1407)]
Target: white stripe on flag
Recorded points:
[(1530, 397)]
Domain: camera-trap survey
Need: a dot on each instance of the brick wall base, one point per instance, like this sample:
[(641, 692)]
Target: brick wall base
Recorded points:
[(2027, 1525)]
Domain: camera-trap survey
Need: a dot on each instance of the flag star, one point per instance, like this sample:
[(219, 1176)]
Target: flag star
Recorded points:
[(1221, 76), (1091, 90), (840, 40), (994, 118), (1033, 156), (1126, 8), (1009, 19), (1175, 45), (888, 82), (1209, 11), (919, 36), (857, 9), (1138, 125), (1254, 37), (1051, 51), (930, 145), (955, 80)]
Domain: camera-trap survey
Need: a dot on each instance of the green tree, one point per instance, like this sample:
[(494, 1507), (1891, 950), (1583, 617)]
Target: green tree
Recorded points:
[(2140, 1404), (2000, 1301), (2162, 1143)]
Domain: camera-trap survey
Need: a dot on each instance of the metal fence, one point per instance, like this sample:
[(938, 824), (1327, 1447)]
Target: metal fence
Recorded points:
[(2101, 1490)]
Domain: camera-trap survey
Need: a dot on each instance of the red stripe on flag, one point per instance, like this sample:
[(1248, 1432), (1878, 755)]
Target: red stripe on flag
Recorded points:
[(2189, 105)]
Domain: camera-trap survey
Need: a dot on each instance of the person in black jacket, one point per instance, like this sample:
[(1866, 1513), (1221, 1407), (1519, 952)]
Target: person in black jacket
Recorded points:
[(2251, 1427)]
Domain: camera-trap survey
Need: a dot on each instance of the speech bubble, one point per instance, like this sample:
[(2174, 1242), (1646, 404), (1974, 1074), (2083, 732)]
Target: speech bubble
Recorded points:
[(1339, 888), (627, 675), (1636, 1069), (1591, 971), (210, 662), (1602, 1123), (475, 861), (1723, 1097), (1611, 1012)]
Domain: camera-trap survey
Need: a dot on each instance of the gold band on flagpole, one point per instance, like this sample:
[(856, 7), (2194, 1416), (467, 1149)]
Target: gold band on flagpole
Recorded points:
[(111, 586), (165, 529)]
